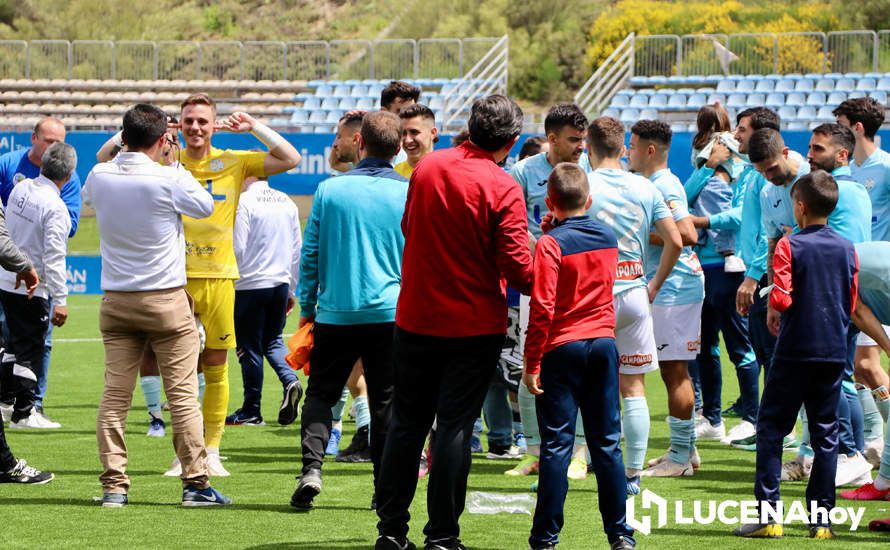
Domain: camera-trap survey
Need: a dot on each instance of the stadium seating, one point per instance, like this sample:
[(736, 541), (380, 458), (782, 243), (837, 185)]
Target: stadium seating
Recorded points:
[(801, 100)]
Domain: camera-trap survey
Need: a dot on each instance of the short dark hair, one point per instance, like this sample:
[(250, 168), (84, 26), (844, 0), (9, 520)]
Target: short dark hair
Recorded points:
[(605, 137), (199, 98), (655, 131), (761, 118), (840, 136), (818, 191), (144, 124), (381, 133), (417, 110), (398, 89), (352, 118), (865, 110), (567, 186), (494, 121), (765, 144), (532, 146), (565, 114)]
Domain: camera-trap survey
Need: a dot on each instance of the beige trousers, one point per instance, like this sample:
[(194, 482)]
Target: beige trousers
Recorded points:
[(164, 320)]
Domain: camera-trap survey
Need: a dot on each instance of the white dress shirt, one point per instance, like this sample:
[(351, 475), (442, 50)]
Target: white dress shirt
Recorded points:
[(39, 224), (139, 205), (267, 239)]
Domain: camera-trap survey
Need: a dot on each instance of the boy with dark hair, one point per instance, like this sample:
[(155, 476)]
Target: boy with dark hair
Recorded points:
[(571, 358), (815, 290)]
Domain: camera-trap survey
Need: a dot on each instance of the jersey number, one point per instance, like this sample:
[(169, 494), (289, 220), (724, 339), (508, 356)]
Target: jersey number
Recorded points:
[(209, 187)]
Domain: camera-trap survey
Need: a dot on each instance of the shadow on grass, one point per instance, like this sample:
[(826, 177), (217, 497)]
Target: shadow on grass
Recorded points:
[(346, 544)]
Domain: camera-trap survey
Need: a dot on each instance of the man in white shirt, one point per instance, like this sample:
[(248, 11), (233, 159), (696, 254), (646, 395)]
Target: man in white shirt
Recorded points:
[(39, 224), (139, 207), (267, 246)]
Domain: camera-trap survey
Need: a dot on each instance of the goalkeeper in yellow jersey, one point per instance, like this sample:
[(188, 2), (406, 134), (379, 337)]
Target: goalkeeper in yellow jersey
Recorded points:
[(210, 263)]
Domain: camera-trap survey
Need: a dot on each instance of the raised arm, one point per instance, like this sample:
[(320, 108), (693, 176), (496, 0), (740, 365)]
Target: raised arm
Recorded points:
[(282, 156)]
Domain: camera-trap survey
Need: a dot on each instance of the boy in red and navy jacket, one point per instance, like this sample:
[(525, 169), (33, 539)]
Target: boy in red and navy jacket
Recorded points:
[(571, 359), (810, 307)]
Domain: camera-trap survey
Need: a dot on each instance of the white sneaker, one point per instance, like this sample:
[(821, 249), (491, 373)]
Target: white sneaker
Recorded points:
[(694, 460), (873, 450), (33, 421), (850, 469), (215, 466), (49, 423), (862, 480), (797, 469), (733, 264), (706, 431), (743, 431), (6, 411), (175, 468), (668, 468)]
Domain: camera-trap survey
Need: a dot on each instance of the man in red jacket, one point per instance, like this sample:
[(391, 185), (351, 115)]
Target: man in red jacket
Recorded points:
[(465, 233)]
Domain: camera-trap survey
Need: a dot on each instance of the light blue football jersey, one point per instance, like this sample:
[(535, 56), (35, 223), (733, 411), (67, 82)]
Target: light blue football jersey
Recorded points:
[(531, 174), (630, 205), (851, 217), (874, 277), (686, 283), (874, 174), (777, 210)]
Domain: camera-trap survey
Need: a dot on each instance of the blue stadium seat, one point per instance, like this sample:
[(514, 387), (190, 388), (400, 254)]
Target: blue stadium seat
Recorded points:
[(866, 84), (352, 82), (726, 86), (856, 94), (765, 85), (626, 91), (330, 103), (323, 129), (774, 76), (333, 117), (816, 99), (775, 99), (787, 113), (639, 81), (876, 76), (696, 101), (884, 84), (785, 85), (824, 114), (437, 103), (347, 104), (745, 86), (610, 112), (854, 75), (317, 116), (299, 116), (369, 82), (795, 99), (705, 90), (880, 96), (316, 83), (649, 114), (716, 98), (845, 85), (323, 90), (664, 91), (686, 91), (835, 76), (807, 112), (639, 100), (796, 126), (629, 116), (359, 91), (835, 98), (755, 100), (804, 85), (678, 127), (661, 100), (342, 90), (736, 100), (825, 85), (645, 91), (312, 103), (620, 100), (365, 104), (813, 76), (677, 102)]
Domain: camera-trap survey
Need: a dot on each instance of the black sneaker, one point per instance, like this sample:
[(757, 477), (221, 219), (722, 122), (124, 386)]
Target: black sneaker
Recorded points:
[(393, 543), (623, 543), (547, 546), (240, 418), (359, 449), (22, 473), (289, 408), (307, 489), (448, 544), (374, 501)]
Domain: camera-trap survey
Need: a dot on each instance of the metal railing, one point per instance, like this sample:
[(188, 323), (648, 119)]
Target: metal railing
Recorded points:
[(487, 76), (611, 76), (253, 60), (763, 53)]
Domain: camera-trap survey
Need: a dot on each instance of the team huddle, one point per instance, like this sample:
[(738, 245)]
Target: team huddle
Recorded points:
[(439, 284)]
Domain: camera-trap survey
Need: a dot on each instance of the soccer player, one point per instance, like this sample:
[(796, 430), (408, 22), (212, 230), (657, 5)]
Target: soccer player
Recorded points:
[(211, 266), (564, 127), (349, 285), (143, 277), (12, 259), (267, 242), (571, 359), (870, 166), (815, 276), (16, 166), (419, 136), (39, 224), (343, 150), (532, 146), (631, 205), (676, 311)]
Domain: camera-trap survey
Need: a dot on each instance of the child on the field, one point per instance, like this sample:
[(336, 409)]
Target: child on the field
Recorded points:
[(571, 359), (815, 291)]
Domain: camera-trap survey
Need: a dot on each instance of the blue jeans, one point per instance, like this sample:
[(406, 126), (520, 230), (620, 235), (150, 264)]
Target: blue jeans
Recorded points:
[(43, 365), (580, 375), (719, 315), (498, 413), (259, 320)]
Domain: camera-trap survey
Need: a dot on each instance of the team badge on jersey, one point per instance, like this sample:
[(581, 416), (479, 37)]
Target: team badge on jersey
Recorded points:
[(216, 165), (18, 177), (869, 184)]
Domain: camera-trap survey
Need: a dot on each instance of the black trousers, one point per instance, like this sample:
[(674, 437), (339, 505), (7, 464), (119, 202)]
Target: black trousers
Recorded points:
[(27, 322), (7, 460), (335, 350), (445, 379)]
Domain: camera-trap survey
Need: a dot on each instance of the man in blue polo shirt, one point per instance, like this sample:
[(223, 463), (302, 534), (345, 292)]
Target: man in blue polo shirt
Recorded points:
[(16, 166)]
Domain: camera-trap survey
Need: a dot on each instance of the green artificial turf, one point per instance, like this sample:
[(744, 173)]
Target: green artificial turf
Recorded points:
[(265, 460)]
